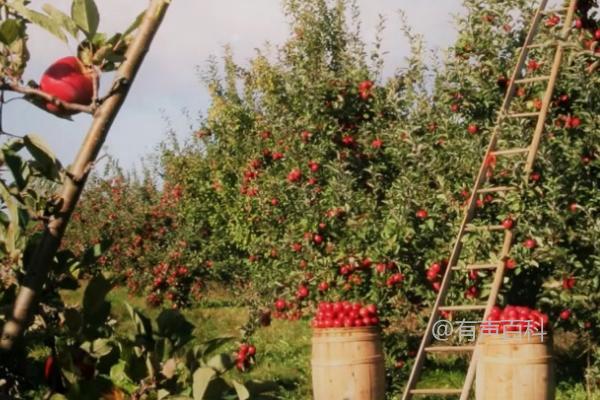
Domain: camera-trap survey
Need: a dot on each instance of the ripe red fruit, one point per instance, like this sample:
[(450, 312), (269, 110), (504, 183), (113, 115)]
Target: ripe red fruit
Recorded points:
[(573, 207), (372, 309), (380, 268), (535, 176), (294, 175), (565, 314), (568, 283), (377, 143), (49, 366), (578, 23), (572, 122), (454, 107), (68, 80), (323, 286), (508, 223), (436, 286), (305, 135), (532, 65), (318, 239), (530, 244), (296, 247), (421, 214), (302, 292), (510, 263), (277, 156), (280, 304), (348, 140), (597, 34), (313, 166), (274, 202), (473, 129)]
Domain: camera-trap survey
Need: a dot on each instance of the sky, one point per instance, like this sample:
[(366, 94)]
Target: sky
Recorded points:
[(167, 93)]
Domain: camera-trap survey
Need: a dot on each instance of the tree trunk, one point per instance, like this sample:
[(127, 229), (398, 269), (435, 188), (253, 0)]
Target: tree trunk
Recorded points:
[(37, 269)]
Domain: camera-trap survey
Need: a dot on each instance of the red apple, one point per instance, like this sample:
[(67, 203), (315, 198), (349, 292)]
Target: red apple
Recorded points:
[(565, 314), (530, 244), (510, 263), (473, 129), (68, 80), (421, 214), (508, 223)]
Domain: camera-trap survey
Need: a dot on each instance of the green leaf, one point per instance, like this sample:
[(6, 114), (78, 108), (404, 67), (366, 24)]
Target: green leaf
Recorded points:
[(136, 23), (41, 152), (120, 378), (142, 323), (61, 18), (73, 319), (221, 363), (95, 294), (86, 16), (39, 19), (211, 345), (11, 30), (15, 164), (98, 348), (241, 391), (202, 378)]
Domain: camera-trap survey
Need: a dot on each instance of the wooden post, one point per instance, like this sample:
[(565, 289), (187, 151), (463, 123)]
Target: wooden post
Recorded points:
[(37, 270)]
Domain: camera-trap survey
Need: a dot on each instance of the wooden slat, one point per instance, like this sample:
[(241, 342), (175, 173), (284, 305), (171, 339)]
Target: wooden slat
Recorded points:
[(510, 152), (484, 228), (476, 267), (534, 79), (556, 11), (464, 307), (449, 349), (440, 392), (497, 189), (524, 115)]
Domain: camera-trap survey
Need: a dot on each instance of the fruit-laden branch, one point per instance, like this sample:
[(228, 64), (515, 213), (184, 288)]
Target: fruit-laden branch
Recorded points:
[(37, 269), (37, 93)]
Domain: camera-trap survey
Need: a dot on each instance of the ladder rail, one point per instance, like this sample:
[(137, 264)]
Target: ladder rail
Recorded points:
[(471, 205), (541, 122)]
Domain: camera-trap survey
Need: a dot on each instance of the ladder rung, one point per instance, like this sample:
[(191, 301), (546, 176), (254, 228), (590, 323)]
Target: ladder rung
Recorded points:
[(496, 189), (440, 391), (449, 349), (466, 307), (523, 115), (555, 11), (534, 79), (472, 267), (510, 152), (473, 228)]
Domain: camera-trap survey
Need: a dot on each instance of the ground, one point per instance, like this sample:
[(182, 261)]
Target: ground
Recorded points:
[(283, 347)]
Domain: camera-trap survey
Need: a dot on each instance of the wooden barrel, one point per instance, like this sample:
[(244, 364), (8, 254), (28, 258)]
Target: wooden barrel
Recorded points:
[(348, 364), (515, 367)]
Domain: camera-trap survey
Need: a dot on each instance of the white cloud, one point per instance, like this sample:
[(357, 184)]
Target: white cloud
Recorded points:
[(192, 31)]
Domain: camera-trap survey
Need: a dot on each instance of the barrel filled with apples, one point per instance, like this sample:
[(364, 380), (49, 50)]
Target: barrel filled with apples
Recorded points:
[(515, 356), (347, 354)]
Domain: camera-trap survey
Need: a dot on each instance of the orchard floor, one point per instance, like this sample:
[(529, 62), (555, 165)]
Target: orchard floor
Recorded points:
[(283, 349)]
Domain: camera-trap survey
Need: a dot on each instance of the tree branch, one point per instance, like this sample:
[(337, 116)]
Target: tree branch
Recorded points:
[(33, 92), (41, 258)]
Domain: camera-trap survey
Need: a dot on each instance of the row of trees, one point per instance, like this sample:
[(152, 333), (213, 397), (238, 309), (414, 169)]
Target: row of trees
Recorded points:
[(314, 177)]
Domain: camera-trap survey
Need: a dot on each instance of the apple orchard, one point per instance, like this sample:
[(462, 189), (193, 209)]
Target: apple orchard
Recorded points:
[(315, 183)]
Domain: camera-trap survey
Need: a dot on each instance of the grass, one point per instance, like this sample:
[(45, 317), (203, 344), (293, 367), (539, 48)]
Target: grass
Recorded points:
[(284, 347)]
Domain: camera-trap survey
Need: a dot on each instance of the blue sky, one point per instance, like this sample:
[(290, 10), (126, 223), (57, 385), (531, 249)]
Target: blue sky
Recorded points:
[(167, 86)]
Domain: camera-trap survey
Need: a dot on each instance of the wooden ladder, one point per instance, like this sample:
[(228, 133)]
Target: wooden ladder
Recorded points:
[(566, 13)]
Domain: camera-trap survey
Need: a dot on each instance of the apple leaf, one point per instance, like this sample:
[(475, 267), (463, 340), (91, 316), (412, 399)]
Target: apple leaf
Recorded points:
[(136, 23), (86, 16), (241, 391), (202, 378), (45, 158), (61, 18), (11, 30), (39, 19)]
